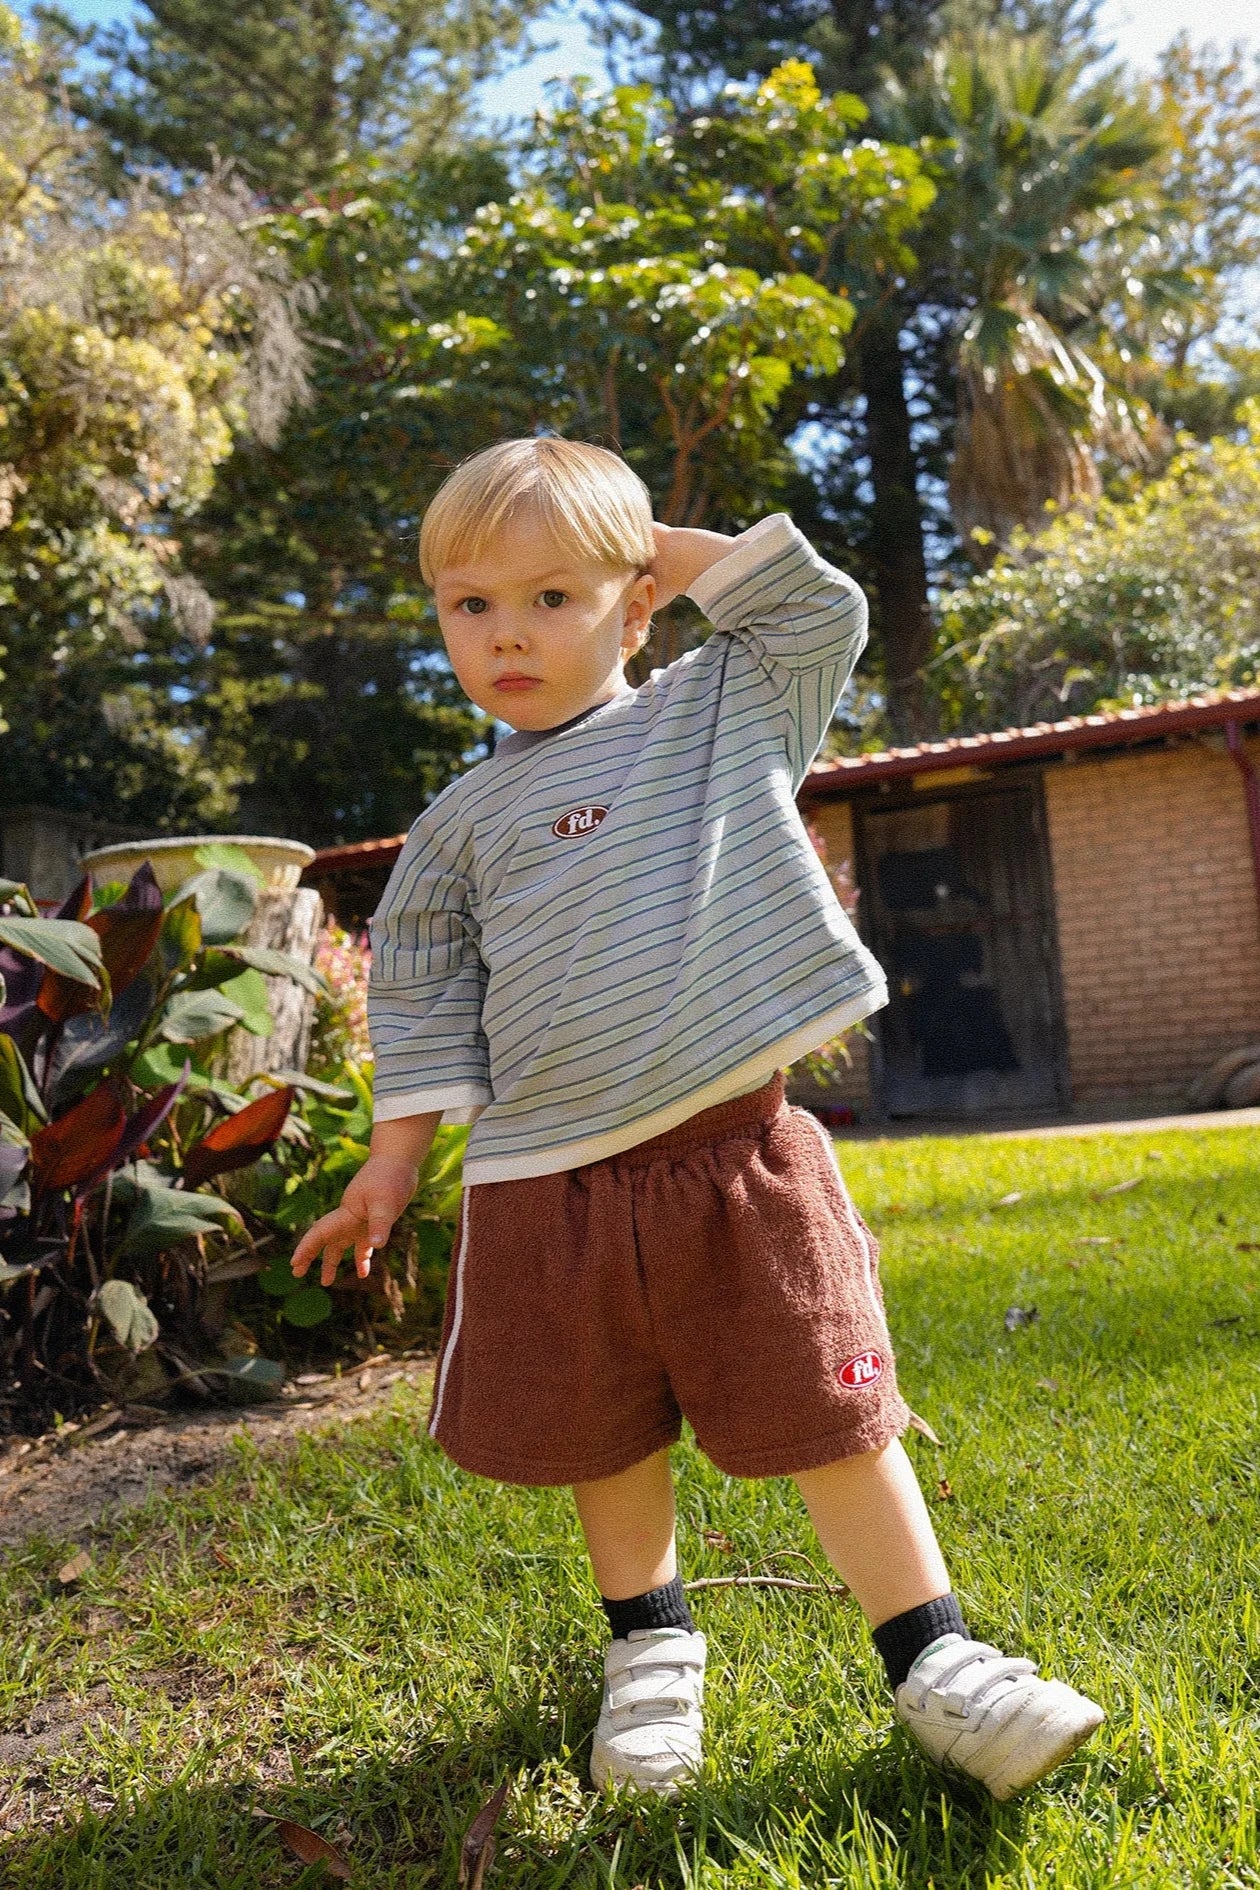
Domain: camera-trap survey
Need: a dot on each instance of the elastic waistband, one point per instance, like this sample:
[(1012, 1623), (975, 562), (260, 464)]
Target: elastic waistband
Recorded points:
[(740, 1116)]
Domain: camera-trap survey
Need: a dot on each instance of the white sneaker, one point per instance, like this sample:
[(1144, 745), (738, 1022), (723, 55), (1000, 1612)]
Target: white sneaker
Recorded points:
[(650, 1725), (973, 1708)]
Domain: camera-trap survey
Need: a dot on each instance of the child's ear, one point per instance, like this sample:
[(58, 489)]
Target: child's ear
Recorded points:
[(640, 636)]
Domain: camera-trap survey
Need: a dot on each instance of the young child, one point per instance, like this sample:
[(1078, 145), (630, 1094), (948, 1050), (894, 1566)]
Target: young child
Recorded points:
[(601, 946)]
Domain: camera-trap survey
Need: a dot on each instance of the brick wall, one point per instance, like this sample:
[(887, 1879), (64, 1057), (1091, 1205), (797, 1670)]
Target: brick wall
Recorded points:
[(1159, 935)]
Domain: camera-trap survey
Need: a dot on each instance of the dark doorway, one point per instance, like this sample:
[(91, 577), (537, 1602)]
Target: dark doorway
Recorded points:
[(959, 910)]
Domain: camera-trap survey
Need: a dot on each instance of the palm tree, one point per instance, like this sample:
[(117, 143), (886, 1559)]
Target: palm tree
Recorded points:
[(1037, 159)]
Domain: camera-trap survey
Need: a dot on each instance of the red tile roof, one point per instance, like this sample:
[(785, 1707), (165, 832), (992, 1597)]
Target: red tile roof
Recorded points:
[(1109, 728)]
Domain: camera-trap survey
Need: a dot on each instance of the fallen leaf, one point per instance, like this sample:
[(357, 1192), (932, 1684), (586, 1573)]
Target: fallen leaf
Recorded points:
[(945, 1490), (1153, 1155), (477, 1852), (1095, 1240), (1247, 1246), (313, 1849), (717, 1539), (1009, 1200), (1119, 1187), (1017, 1316), (365, 1381), (924, 1429), (1047, 1384), (224, 1561), (76, 1566), (1074, 1264)]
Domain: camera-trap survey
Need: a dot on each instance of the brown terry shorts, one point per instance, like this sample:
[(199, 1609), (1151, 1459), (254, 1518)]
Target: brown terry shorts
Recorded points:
[(718, 1271)]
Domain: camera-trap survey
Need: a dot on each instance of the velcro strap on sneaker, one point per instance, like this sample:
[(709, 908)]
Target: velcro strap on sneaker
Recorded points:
[(963, 1673), (678, 1690)]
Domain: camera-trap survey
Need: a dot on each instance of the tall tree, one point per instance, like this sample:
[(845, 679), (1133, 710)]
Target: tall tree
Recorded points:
[(289, 88), (910, 365), (651, 284), (139, 339)]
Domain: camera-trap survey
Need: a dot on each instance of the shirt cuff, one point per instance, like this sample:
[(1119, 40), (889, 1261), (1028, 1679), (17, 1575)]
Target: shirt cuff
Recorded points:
[(454, 1101), (747, 552)]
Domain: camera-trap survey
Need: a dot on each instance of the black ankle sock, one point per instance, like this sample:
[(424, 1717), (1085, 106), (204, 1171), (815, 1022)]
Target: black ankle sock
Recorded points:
[(901, 1640), (660, 1607)]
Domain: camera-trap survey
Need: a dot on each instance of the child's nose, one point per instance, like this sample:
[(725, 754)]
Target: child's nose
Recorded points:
[(509, 636)]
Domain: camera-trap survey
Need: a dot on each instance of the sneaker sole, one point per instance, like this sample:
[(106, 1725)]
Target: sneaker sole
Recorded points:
[(607, 1775), (1050, 1745)]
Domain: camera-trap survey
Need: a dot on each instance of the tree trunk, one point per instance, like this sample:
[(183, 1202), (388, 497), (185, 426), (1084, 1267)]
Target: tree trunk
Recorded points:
[(288, 922), (897, 532)]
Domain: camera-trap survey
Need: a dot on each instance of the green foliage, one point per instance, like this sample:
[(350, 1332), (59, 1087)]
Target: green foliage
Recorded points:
[(1153, 596), (139, 336), (305, 1176), (287, 90), (108, 1133)]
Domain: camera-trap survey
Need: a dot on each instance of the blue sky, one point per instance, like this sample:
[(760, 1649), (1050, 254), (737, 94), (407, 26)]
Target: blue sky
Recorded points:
[(1140, 28)]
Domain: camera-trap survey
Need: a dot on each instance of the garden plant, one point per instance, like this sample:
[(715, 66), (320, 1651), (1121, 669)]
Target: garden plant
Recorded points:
[(120, 1234)]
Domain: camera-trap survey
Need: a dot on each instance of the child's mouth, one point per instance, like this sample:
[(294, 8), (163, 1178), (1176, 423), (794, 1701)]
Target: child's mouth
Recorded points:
[(515, 683)]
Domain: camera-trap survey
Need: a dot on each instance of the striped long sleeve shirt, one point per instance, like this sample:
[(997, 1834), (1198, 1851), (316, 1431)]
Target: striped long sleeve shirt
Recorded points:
[(611, 925)]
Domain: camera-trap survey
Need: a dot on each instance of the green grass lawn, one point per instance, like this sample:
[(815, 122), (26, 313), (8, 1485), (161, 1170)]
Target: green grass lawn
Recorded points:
[(365, 1640)]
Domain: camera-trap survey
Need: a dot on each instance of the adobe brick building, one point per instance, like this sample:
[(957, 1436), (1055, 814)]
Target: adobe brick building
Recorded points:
[(1069, 914)]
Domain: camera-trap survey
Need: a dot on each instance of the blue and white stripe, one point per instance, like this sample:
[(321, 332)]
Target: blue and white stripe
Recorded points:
[(586, 993)]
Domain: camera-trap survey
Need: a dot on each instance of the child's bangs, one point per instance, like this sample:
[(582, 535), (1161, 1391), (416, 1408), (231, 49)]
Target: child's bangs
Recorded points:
[(587, 500)]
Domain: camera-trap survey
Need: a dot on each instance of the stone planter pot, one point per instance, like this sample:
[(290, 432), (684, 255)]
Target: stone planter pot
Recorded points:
[(287, 918), (282, 861)]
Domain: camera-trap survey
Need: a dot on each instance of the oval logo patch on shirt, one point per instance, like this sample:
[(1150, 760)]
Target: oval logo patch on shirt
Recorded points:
[(578, 821), (861, 1370)]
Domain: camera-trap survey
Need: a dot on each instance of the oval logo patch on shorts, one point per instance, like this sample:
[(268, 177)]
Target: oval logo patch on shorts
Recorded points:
[(577, 821), (861, 1370)]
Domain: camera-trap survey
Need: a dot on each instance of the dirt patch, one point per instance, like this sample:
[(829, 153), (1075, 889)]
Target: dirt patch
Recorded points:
[(64, 1484)]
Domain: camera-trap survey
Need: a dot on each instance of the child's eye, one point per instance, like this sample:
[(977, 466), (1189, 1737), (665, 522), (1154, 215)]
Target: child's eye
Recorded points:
[(554, 599), (473, 605)]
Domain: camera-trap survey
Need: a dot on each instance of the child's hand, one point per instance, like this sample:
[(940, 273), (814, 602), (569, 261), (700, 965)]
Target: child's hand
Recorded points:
[(369, 1207), (682, 553)]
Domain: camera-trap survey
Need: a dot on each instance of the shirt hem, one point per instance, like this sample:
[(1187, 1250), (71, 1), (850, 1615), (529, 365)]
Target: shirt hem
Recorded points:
[(736, 1082)]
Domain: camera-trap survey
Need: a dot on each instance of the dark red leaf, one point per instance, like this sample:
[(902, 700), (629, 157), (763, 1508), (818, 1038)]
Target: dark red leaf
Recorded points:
[(477, 1851), (61, 998), (22, 979), (240, 1139), (313, 1849), (77, 904), (82, 1140), (143, 894), (138, 1130), (127, 941)]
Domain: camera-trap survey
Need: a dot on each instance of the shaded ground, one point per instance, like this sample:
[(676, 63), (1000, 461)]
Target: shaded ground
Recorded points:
[(65, 1483)]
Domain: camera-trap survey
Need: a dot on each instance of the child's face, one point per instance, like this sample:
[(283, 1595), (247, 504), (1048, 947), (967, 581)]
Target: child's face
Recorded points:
[(534, 633)]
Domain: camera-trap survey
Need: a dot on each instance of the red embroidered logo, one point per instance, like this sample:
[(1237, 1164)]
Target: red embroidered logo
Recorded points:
[(860, 1371), (577, 821)]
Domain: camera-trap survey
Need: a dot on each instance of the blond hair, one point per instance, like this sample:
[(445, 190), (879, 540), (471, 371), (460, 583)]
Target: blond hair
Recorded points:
[(587, 498)]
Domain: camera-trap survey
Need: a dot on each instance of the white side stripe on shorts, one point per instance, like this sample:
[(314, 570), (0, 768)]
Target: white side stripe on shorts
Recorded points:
[(459, 1314)]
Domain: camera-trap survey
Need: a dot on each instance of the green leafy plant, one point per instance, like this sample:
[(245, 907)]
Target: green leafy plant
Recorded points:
[(114, 1124), (304, 1175)]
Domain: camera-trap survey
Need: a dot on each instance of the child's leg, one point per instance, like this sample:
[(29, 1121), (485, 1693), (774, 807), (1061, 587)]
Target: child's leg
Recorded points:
[(966, 1703), (628, 1522), (875, 1530), (650, 1727)]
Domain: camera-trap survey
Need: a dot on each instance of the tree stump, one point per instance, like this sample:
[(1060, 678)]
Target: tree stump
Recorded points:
[(287, 922)]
